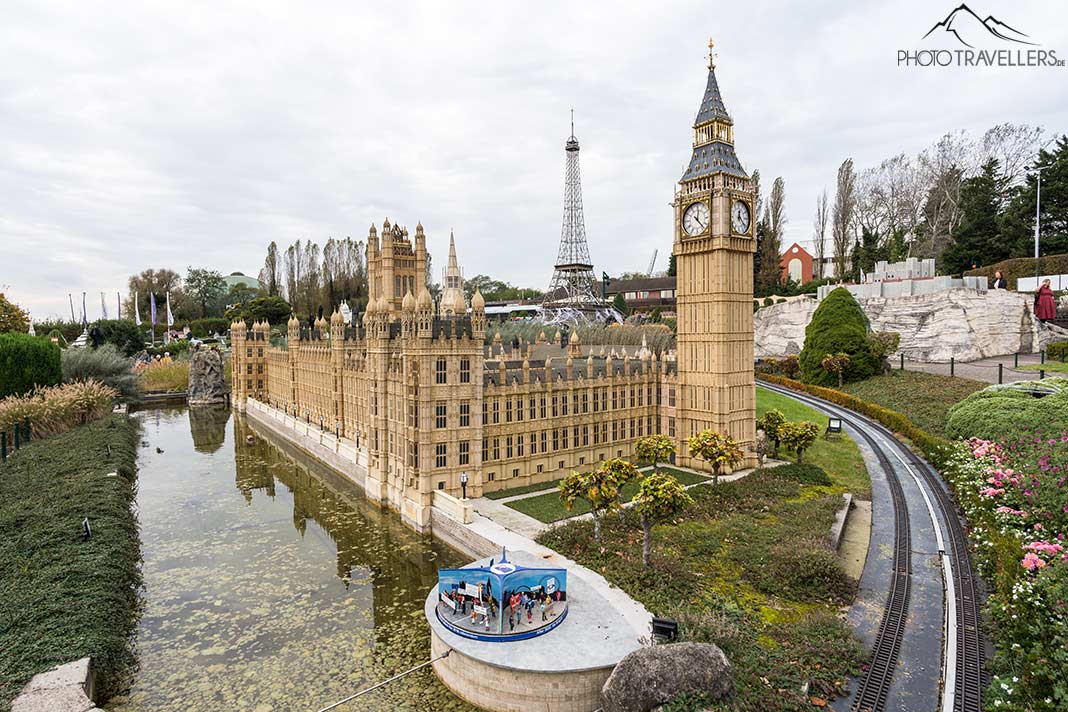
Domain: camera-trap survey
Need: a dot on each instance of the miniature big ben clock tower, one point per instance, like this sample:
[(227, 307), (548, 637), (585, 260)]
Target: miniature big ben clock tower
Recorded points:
[(713, 248)]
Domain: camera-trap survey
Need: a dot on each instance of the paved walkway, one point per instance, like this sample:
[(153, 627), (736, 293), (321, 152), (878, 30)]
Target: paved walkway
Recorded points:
[(984, 369)]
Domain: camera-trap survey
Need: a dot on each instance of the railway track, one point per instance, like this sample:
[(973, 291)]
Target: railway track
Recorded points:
[(963, 653)]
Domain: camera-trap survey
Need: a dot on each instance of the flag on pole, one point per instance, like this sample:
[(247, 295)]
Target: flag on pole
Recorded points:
[(103, 307), (170, 317), (137, 311), (85, 319), (152, 306), (118, 305), (31, 332)]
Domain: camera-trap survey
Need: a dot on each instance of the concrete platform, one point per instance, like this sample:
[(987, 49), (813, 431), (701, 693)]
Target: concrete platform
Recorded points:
[(563, 669)]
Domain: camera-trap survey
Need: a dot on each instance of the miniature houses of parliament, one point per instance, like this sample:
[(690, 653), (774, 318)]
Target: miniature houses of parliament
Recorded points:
[(424, 404)]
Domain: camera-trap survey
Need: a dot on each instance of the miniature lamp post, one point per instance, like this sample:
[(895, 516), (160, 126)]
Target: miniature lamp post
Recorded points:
[(463, 484)]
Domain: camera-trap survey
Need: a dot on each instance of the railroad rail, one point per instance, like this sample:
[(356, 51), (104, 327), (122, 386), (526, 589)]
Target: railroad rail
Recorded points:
[(964, 652)]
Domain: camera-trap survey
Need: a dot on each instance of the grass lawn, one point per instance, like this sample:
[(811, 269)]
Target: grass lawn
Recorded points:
[(62, 597), (1048, 366), (748, 567), (839, 456), (924, 398), (548, 507), (501, 494)]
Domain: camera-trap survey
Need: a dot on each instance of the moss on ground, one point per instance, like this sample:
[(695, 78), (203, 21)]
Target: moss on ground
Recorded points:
[(62, 597)]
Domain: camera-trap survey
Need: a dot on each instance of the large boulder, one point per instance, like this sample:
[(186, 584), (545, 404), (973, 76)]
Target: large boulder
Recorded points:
[(962, 323), (652, 676), (207, 383)]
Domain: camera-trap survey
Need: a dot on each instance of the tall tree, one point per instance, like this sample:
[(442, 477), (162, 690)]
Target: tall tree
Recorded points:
[(771, 246), (271, 275), (819, 236), (205, 287), (977, 240), (844, 203), (153, 281), (671, 266), (1018, 220)]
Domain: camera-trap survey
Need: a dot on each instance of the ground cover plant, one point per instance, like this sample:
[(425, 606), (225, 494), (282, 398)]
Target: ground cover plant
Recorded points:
[(1015, 494), (62, 597), (926, 398), (747, 566)]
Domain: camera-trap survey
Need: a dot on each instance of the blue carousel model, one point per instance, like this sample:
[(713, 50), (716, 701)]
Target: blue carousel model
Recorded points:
[(501, 602)]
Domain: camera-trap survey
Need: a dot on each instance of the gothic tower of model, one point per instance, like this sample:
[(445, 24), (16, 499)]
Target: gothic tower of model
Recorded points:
[(714, 260)]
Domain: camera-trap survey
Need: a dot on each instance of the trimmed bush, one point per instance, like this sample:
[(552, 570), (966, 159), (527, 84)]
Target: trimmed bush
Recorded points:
[(805, 474), (123, 334), (1004, 413), (105, 364), (838, 326), (27, 362)]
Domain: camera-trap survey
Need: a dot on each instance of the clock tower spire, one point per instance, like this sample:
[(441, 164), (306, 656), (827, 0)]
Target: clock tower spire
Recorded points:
[(714, 262)]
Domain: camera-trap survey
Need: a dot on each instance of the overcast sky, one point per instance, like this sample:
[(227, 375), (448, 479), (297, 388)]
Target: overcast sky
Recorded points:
[(172, 134)]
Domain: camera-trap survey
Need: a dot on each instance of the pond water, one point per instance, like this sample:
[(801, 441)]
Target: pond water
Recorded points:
[(270, 583)]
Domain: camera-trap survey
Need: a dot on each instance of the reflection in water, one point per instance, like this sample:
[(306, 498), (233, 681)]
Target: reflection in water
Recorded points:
[(271, 584), (208, 425)]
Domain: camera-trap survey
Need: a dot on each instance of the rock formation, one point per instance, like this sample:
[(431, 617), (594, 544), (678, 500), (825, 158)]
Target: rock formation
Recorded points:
[(207, 384), (649, 677), (961, 323)]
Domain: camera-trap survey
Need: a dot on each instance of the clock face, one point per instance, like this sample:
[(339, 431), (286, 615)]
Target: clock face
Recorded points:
[(695, 219), (740, 217)]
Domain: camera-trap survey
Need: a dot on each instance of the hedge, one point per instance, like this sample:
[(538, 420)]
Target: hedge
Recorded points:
[(27, 362), (63, 597), (934, 448), (203, 328), (1022, 267), (123, 334)]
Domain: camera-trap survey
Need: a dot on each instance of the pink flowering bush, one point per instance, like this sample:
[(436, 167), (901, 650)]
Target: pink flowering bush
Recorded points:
[(1015, 496)]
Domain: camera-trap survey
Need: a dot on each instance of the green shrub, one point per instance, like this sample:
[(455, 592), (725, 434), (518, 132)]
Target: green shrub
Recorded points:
[(804, 473), (768, 301), (808, 571), (175, 348), (70, 330), (27, 362), (203, 328), (1057, 351), (838, 326), (123, 334), (1004, 413), (105, 364)]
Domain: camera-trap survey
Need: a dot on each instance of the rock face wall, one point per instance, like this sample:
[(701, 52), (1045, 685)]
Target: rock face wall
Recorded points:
[(961, 323), (207, 384)]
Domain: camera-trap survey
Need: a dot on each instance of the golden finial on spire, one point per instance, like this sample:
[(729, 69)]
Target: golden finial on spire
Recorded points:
[(711, 57)]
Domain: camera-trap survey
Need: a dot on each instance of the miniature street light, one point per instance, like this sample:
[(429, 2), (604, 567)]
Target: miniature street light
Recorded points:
[(463, 484)]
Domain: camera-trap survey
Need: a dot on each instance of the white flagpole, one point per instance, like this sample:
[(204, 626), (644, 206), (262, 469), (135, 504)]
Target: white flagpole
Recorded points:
[(137, 311), (103, 307)]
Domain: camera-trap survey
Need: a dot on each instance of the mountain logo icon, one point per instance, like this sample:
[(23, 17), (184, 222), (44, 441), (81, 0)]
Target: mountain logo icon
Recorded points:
[(969, 29)]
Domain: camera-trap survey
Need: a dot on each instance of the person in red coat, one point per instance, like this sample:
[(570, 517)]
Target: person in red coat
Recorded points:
[(1045, 306)]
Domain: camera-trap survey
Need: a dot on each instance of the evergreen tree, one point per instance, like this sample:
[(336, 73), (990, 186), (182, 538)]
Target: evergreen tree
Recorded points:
[(671, 266), (1018, 220), (977, 240)]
